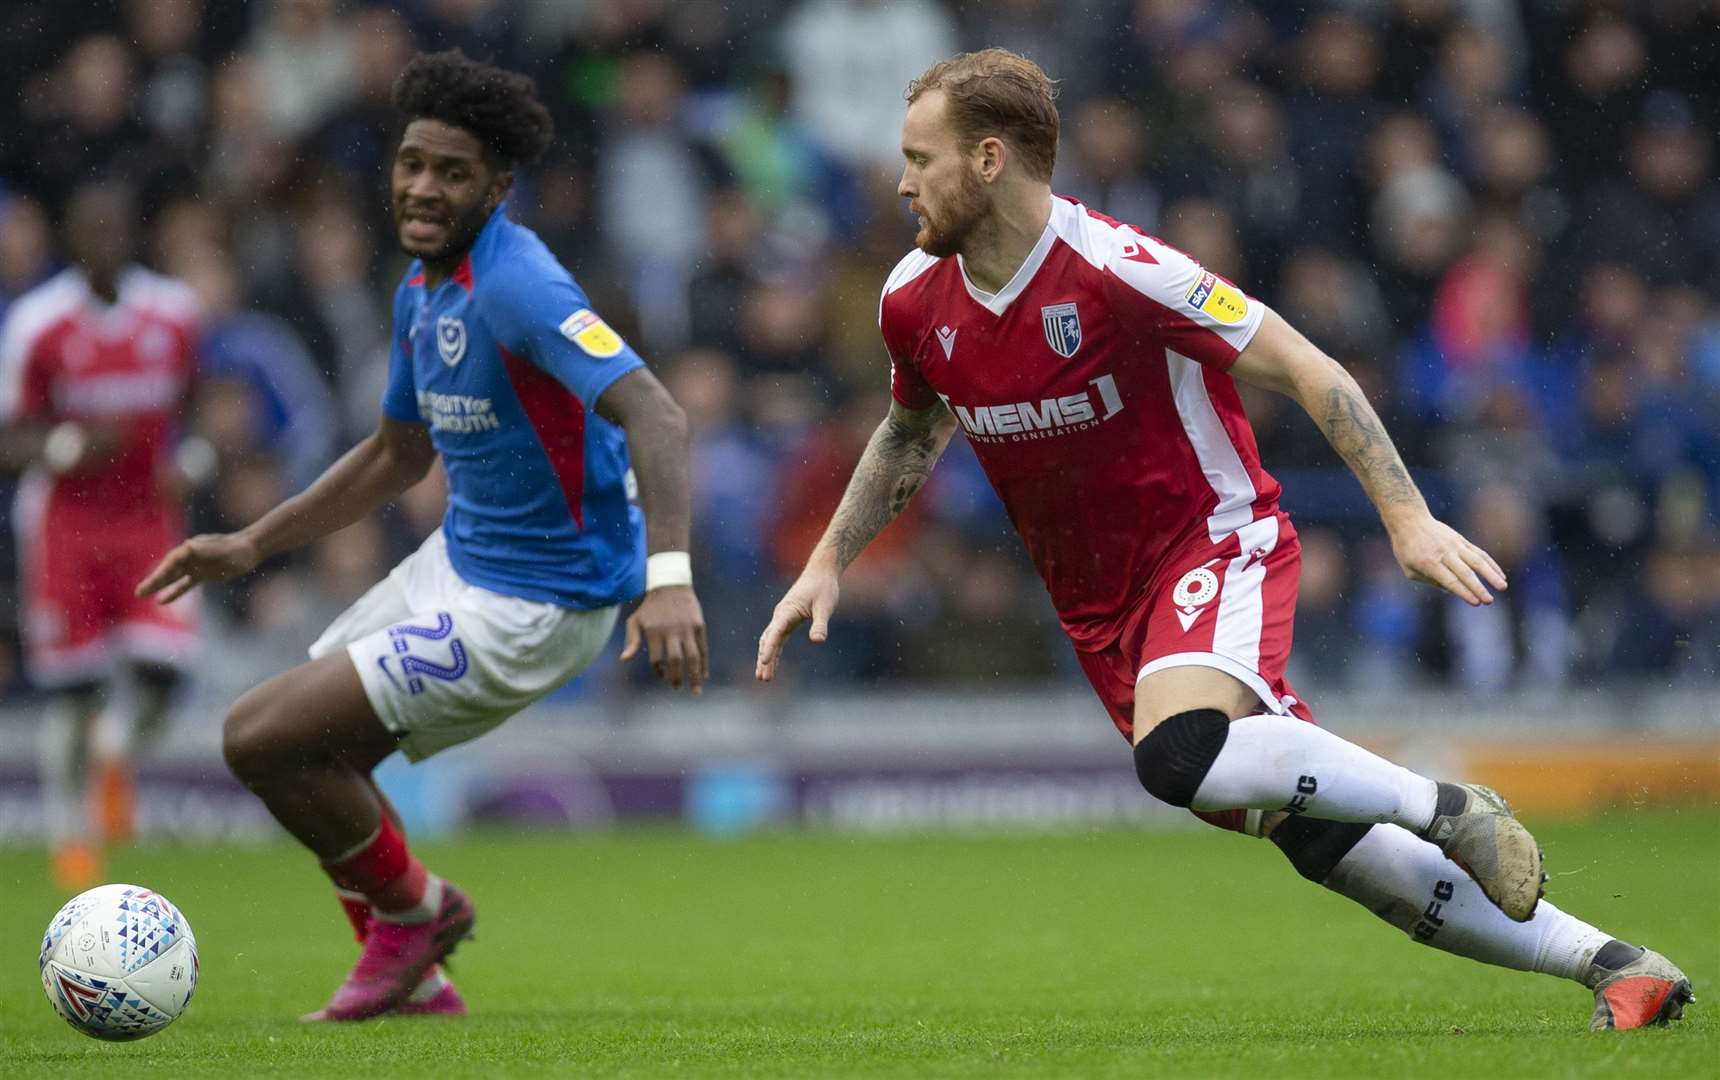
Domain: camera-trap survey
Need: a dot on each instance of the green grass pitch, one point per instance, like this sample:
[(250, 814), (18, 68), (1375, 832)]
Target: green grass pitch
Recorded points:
[(1088, 954)]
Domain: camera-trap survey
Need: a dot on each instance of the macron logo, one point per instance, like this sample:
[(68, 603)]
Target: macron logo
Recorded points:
[(947, 338)]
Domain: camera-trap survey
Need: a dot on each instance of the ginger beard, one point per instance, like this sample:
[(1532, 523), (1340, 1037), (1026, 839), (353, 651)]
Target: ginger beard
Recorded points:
[(946, 232)]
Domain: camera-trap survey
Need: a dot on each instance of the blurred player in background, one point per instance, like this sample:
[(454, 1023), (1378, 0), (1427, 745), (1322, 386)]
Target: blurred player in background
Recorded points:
[(96, 368), (541, 415), (1093, 369)]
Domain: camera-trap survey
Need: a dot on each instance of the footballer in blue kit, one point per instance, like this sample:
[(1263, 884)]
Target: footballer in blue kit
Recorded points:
[(567, 476), (500, 361)]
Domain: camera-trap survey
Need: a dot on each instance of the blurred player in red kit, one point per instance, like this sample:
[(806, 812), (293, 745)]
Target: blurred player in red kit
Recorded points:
[(1093, 369), (96, 368)]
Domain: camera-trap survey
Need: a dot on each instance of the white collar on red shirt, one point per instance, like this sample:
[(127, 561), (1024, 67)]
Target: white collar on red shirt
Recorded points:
[(1062, 214)]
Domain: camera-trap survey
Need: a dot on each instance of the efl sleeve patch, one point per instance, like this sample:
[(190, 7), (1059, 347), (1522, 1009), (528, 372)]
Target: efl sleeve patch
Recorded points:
[(1220, 300), (591, 333)]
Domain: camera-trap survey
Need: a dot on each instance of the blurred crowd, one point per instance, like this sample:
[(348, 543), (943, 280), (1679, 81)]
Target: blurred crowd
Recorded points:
[(1503, 217)]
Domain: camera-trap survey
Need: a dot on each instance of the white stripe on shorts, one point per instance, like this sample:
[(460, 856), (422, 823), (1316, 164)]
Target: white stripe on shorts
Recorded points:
[(1236, 633)]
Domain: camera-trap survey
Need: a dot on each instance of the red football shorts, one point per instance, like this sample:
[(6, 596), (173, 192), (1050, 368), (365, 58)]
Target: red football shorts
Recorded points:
[(78, 574), (1229, 606)]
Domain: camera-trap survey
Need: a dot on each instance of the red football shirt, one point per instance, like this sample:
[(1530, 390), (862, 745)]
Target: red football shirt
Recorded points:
[(1093, 388), (66, 355)]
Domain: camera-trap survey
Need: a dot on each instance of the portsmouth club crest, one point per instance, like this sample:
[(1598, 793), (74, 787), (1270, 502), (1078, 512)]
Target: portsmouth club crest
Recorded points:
[(1062, 328), (451, 339)]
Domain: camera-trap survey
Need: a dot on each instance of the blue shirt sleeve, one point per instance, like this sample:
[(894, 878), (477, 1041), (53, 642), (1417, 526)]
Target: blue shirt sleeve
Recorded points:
[(400, 399), (548, 320)]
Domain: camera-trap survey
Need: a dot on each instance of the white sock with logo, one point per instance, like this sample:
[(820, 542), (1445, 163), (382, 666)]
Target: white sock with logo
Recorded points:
[(1281, 763), (63, 758), (1408, 883)]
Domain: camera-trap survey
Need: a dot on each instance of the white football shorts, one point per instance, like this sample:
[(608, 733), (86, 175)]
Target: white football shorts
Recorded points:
[(443, 661)]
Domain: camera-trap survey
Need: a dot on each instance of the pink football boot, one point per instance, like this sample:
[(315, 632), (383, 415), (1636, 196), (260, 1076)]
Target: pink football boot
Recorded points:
[(396, 958), (435, 996)]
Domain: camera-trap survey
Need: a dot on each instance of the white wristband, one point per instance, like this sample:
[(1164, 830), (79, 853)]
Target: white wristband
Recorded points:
[(64, 445), (668, 568)]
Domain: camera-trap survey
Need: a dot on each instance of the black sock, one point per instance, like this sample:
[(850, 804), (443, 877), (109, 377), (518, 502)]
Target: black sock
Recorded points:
[(1616, 954), (1451, 800)]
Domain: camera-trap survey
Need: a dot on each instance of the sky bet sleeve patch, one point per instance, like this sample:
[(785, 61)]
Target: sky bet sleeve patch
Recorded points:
[(591, 333), (1219, 299)]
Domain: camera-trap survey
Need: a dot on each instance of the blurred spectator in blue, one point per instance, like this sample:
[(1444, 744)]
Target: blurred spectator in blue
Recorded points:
[(725, 273), (1326, 640), (1207, 231), (1665, 221), (734, 491), (286, 409), (250, 178), (782, 331), (81, 125), (342, 315), (787, 171), (1387, 618), (1335, 302), (1169, 59), (1104, 163), (1062, 36), (358, 139), (886, 583), (851, 60), (26, 246), (1670, 625), (1524, 640), (988, 625), (1247, 168), (1419, 217), (1332, 116), (1512, 165), (651, 181), (1478, 344), (1603, 59), (173, 86), (1475, 74), (482, 29)]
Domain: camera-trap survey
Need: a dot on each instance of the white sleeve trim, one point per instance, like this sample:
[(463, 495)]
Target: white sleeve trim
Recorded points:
[(1185, 288)]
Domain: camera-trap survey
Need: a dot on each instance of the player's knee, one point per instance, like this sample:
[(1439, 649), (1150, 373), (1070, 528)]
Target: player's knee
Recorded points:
[(1315, 847), (1174, 757), (251, 740)]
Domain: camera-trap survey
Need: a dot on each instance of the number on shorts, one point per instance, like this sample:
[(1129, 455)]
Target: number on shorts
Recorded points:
[(414, 666)]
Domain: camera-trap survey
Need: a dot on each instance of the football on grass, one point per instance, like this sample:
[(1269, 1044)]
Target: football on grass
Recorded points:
[(119, 962)]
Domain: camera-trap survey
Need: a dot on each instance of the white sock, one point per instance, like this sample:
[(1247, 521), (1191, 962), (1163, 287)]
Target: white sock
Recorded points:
[(63, 761), (423, 911), (1282, 763), (1408, 883), (429, 986)]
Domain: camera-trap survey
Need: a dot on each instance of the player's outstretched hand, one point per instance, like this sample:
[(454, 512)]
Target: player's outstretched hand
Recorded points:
[(211, 557), (671, 626), (1434, 553), (812, 597)]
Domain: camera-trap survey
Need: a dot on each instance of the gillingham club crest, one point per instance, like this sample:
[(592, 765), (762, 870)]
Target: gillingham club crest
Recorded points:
[(1062, 328), (450, 339)]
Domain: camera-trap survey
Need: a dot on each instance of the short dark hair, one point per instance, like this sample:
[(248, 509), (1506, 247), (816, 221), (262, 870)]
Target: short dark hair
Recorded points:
[(498, 107), (997, 92)]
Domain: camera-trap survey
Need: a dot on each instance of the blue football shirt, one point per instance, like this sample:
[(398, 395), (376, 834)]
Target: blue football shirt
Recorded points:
[(505, 361)]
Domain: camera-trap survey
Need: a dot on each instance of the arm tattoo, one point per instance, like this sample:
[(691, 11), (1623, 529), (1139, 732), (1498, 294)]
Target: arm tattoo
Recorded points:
[(897, 461), (1355, 433)]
